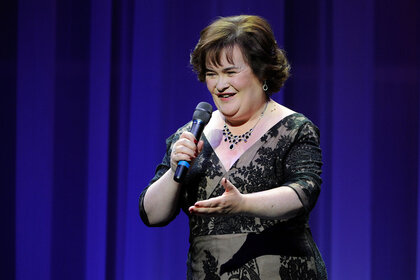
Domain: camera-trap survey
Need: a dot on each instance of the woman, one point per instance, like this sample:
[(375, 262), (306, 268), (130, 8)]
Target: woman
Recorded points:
[(255, 174)]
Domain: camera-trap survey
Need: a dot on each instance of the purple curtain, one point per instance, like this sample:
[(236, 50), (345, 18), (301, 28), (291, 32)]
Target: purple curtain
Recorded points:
[(91, 89)]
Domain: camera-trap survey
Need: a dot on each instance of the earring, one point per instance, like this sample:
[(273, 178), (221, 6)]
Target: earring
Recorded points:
[(265, 87)]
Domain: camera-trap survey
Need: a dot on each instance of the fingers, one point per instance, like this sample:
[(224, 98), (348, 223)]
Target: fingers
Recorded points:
[(200, 146), (209, 203), (185, 149), (204, 211), (212, 207), (188, 135), (228, 203), (227, 185)]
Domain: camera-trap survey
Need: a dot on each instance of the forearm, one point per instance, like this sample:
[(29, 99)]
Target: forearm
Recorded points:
[(161, 199), (277, 203)]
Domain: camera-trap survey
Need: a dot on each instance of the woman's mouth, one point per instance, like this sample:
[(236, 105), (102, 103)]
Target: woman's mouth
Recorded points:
[(225, 95)]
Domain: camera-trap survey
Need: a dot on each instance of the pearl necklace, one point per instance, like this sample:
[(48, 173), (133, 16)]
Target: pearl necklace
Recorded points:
[(236, 139)]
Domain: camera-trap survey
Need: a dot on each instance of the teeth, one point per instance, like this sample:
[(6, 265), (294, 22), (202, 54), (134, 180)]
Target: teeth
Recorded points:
[(225, 95)]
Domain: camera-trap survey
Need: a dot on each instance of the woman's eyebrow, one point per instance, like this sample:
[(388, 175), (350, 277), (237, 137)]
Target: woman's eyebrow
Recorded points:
[(227, 69), (230, 68)]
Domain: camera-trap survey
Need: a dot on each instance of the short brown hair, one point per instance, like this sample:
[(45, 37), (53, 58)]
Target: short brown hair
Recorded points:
[(254, 37)]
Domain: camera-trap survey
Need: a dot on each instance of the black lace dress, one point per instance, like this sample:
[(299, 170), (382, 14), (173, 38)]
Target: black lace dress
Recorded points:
[(240, 247)]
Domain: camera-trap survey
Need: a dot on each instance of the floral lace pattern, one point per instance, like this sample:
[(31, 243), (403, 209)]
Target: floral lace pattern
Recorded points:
[(287, 155)]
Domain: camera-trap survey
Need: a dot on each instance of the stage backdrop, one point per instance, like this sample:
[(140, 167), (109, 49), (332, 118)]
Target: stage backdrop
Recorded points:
[(90, 90)]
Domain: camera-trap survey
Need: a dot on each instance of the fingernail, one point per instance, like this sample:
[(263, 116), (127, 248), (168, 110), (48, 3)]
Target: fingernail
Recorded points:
[(195, 141)]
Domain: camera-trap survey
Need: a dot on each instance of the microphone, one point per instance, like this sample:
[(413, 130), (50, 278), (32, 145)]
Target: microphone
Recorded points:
[(201, 117)]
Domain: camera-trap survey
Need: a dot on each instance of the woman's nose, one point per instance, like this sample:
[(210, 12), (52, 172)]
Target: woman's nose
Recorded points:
[(222, 85)]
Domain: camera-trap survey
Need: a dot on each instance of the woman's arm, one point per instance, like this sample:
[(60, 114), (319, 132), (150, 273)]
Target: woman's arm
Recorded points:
[(160, 201), (277, 203)]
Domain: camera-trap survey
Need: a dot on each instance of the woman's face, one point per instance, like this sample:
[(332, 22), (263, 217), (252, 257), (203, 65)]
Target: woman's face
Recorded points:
[(235, 89)]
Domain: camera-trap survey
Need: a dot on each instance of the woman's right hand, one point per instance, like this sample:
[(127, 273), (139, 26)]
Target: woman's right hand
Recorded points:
[(186, 148)]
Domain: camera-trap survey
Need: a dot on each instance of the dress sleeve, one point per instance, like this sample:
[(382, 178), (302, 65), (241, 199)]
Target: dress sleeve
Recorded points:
[(302, 165), (160, 170)]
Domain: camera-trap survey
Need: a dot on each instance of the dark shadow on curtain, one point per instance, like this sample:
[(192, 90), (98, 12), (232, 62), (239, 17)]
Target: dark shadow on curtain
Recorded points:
[(8, 73)]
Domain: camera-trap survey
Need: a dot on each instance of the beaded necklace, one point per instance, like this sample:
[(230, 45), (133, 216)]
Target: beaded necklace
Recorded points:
[(236, 139)]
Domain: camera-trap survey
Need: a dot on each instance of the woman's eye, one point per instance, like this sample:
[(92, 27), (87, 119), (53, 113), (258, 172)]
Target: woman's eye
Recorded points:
[(231, 72), (210, 74)]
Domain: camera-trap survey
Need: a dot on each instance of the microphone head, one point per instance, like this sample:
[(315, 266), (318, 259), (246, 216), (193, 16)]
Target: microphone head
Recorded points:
[(203, 112)]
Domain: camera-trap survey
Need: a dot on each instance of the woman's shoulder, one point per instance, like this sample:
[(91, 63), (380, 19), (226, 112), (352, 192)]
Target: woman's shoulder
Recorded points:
[(292, 123), (290, 118), (301, 127)]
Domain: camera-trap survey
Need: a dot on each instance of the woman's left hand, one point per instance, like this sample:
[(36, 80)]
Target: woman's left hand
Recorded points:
[(229, 203)]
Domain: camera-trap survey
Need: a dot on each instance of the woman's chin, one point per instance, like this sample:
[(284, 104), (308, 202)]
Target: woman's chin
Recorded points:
[(228, 109), (228, 113)]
